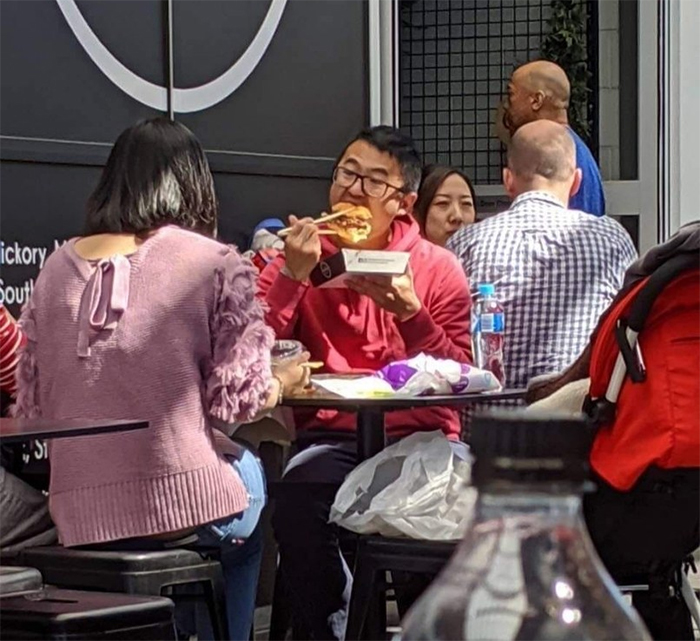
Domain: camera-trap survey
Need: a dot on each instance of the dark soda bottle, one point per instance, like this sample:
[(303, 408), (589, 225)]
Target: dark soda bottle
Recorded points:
[(526, 568)]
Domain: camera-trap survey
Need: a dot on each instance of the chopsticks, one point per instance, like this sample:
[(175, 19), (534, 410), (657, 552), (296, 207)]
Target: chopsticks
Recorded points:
[(313, 364), (318, 221)]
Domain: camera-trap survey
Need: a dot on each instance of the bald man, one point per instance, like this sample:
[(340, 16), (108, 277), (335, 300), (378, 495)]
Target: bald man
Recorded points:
[(555, 269), (540, 90)]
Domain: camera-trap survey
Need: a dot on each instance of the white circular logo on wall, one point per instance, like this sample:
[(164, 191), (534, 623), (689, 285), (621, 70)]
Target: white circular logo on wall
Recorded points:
[(184, 100)]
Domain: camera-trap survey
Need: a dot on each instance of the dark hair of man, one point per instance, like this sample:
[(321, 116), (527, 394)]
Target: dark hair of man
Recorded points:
[(431, 181), (399, 146), (156, 175)]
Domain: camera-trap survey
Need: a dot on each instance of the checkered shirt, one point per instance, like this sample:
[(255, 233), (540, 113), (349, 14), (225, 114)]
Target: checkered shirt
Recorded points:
[(555, 270)]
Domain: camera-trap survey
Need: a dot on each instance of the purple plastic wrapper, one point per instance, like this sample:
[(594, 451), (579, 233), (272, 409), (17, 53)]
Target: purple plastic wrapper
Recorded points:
[(397, 374), (423, 375), (461, 385)]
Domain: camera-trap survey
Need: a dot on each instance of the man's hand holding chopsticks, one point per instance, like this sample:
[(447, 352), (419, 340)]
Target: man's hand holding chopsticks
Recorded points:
[(302, 248)]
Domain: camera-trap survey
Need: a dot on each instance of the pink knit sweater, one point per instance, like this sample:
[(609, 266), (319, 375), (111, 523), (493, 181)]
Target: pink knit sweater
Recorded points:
[(171, 334)]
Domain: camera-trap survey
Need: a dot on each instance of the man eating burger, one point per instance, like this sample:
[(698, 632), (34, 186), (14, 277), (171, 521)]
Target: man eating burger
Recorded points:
[(352, 223), (356, 329)]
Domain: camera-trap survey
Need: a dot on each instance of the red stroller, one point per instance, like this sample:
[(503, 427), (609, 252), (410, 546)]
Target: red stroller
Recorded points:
[(644, 402)]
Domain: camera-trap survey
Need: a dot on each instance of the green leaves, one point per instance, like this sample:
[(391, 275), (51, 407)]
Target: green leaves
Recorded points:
[(566, 44)]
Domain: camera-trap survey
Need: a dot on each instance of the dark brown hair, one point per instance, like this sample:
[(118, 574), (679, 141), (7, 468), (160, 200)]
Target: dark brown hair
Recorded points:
[(432, 179), (157, 174)]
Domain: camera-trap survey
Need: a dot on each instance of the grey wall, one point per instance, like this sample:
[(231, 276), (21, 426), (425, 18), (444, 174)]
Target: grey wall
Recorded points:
[(270, 143)]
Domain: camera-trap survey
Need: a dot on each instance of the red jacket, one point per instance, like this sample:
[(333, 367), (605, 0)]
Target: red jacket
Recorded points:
[(351, 334)]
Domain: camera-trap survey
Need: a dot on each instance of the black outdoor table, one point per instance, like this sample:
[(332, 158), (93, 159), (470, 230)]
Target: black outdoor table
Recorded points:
[(14, 430), (370, 411)]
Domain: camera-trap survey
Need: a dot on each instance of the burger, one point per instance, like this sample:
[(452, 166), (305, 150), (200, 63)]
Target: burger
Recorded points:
[(354, 225)]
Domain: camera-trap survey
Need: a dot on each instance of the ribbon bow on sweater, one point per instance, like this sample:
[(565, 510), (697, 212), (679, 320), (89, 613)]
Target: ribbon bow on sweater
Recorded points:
[(104, 300)]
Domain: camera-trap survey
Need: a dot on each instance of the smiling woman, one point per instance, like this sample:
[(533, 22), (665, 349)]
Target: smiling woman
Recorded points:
[(184, 100)]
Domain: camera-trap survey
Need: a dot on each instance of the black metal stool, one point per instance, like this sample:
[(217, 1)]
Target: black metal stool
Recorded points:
[(148, 573), (375, 556), (73, 615)]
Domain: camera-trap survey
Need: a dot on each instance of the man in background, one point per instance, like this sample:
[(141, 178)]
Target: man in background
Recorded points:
[(540, 90), (555, 269)]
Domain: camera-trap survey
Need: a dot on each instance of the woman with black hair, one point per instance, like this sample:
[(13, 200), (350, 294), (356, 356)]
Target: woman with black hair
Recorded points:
[(446, 202), (147, 316)]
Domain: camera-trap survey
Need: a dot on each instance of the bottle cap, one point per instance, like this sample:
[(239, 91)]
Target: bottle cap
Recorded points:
[(487, 289), (528, 446)]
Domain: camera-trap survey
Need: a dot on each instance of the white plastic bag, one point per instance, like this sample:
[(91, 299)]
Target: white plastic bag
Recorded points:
[(416, 488)]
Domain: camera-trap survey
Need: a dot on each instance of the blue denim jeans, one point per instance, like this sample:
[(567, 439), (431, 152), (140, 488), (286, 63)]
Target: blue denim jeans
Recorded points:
[(240, 544), (238, 540)]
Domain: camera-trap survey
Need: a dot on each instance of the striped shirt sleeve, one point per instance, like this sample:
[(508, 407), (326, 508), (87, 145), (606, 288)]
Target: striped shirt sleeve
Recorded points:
[(11, 339)]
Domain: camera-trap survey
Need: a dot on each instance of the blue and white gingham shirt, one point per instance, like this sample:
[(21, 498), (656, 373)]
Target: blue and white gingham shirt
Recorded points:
[(555, 271)]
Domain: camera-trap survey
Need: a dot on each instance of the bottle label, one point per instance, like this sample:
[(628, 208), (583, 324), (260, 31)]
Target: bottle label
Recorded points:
[(492, 323)]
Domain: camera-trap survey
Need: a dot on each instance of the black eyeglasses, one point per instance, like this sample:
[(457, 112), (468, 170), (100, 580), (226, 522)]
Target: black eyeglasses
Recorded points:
[(371, 187)]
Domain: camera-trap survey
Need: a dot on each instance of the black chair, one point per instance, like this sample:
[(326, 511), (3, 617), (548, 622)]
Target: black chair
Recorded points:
[(17, 580), (375, 556), (73, 615), (148, 573)]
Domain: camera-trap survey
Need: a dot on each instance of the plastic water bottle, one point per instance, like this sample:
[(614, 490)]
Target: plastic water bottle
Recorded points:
[(526, 568), (488, 328)]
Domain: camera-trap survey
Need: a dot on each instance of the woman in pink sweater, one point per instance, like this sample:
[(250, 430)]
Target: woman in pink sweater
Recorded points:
[(148, 317)]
